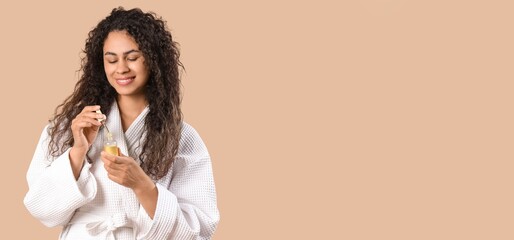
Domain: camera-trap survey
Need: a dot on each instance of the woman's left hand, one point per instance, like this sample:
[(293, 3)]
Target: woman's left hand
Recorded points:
[(125, 171)]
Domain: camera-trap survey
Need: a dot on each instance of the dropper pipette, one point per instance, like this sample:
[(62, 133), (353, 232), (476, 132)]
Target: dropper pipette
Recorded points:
[(109, 135)]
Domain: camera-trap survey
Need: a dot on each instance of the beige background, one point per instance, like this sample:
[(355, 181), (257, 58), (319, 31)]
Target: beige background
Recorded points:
[(378, 119)]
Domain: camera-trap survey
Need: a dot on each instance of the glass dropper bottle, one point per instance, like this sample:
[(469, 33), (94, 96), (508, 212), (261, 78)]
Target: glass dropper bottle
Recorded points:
[(110, 145)]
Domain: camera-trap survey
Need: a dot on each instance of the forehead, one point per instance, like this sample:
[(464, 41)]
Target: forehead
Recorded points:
[(119, 42)]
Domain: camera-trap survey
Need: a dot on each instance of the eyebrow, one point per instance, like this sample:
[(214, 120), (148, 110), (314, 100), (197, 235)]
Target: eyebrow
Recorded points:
[(125, 53)]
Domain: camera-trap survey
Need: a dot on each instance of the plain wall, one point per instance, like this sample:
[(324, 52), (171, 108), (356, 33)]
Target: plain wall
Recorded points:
[(325, 119)]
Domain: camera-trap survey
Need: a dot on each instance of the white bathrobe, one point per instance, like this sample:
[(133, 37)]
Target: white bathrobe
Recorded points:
[(95, 207)]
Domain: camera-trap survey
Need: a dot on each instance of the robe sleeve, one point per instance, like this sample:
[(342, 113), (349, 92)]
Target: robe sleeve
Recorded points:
[(187, 208), (54, 194)]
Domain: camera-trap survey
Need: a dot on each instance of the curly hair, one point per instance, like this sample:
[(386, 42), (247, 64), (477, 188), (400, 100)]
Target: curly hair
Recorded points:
[(163, 123)]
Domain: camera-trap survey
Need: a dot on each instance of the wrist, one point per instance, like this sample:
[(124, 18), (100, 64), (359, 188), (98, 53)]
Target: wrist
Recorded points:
[(76, 161), (77, 155), (144, 187)]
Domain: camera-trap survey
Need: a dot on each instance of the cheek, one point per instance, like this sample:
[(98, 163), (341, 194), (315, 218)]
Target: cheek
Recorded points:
[(109, 68), (141, 69), (138, 66)]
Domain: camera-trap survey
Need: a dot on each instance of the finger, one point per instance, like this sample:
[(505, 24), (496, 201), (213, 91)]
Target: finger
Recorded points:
[(80, 125), (118, 173), (122, 159), (95, 128), (90, 120), (108, 157), (84, 118), (92, 115), (115, 178), (113, 161), (112, 168), (85, 124), (90, 108)]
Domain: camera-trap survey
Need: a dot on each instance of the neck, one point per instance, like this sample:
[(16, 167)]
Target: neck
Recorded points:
[(130, 107)]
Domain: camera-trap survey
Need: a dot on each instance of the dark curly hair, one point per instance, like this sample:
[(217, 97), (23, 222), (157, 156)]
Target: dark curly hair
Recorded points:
[(164, 120)]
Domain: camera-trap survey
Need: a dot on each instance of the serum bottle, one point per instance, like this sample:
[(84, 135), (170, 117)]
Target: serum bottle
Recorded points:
[(110, 145)]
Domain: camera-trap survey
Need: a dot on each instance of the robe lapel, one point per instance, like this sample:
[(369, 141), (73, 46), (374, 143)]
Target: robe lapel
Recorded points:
[(128, 143), (134, 135)]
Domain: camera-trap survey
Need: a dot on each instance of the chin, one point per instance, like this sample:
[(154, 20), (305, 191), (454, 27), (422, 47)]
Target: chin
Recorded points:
[(130, 93)]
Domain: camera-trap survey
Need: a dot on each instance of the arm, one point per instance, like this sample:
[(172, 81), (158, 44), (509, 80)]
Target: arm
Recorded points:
[(54, 192), (187, 207), (185, 210)]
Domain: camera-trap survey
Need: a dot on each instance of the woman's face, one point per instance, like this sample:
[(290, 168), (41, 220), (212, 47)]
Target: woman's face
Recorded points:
[(124, 64)]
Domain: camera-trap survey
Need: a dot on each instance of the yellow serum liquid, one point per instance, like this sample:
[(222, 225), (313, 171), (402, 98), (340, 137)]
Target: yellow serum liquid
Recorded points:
[(112, 149), (110, 145)]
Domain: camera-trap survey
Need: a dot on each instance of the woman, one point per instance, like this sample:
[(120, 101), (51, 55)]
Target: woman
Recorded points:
[(161, 184)]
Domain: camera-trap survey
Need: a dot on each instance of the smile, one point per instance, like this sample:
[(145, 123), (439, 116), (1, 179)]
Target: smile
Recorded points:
[(125, 81)]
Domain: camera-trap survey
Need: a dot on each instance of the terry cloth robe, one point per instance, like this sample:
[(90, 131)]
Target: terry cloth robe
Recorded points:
[(95, 207)]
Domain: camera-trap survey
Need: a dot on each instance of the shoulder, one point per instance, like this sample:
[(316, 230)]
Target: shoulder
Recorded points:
[(191, 144), (45, 134)]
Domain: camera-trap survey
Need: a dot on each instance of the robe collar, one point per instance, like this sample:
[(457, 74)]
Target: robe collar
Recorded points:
[(130, 141)]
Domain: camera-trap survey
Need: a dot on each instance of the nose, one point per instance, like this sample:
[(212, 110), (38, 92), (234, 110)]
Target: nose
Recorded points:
[(122, 67)]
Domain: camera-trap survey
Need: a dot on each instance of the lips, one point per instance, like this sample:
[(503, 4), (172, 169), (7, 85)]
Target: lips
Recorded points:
[(125, 81)]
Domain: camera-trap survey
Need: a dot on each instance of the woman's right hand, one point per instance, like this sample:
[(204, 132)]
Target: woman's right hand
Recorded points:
[(85, 128)]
